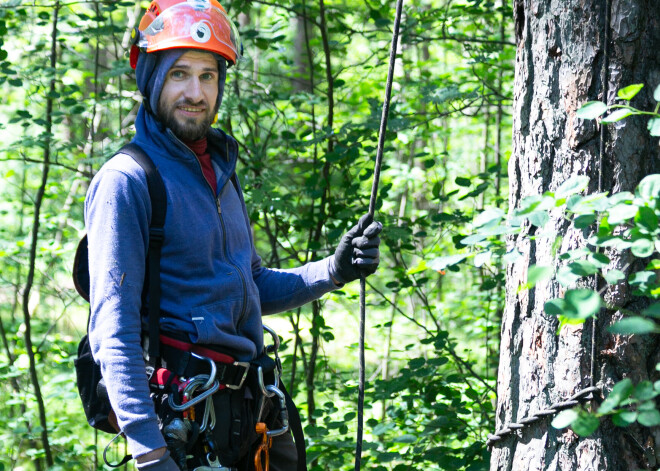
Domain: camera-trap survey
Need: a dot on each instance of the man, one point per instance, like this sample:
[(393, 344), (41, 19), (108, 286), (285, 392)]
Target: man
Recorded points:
[(214, 289)]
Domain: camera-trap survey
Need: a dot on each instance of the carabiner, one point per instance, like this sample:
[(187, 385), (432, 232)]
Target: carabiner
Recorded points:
[(263, 449)]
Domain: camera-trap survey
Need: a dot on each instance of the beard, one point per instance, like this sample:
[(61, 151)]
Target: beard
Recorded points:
[(186, 128)]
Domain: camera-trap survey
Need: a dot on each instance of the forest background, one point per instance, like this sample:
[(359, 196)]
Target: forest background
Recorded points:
[(305, 106)]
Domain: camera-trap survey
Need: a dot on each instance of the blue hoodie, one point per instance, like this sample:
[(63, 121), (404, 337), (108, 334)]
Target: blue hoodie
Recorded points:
[(214, 288)]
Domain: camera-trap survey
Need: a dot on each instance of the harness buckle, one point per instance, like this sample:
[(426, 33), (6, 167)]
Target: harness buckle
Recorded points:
[(246, 369)]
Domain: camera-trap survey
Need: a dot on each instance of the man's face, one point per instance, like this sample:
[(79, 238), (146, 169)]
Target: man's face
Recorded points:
[(187, 103)]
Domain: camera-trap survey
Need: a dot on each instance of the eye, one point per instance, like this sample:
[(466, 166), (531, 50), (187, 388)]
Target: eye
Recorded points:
[(177, 74), (207, 77)]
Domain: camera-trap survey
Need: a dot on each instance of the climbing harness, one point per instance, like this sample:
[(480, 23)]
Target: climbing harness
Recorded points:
[(372, 209), (586, 394)]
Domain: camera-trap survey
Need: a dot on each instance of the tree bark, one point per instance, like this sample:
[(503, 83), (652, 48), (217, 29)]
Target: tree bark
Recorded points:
[(570, 52)]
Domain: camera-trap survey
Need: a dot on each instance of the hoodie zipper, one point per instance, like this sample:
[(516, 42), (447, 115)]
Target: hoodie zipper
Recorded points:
[(224, 232)]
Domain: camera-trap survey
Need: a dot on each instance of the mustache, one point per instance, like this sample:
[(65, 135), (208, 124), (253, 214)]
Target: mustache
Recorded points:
[(187, 102)]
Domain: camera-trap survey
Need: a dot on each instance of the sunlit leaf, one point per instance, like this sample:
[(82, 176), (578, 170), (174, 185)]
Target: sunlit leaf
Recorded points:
[(571, 186), (538, 273), (621, 213), (634, 325), (647, 219), (629, 92), (649, 418), (654, 127), (564, 418), (642, 247), (441, 263), (585, 424), (649, 187), (591, 110), (617, 115), (489, 217), (620, 392), (614, 276)]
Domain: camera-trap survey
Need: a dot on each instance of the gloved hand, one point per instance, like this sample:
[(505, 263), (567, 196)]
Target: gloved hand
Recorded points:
[(357, 253), (164, 463)]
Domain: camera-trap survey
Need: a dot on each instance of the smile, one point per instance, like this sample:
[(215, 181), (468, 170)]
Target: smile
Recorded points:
[(191, 110)]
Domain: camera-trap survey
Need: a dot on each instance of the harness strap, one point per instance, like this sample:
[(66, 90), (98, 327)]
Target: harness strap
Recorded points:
[(295, 425), (180, 358)]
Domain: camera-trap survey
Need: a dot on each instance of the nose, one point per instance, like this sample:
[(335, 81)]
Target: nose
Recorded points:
[(193, 90)]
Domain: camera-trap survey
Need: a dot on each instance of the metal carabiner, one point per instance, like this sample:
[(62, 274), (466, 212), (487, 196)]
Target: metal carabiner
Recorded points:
[(214, 369), (209, 411), (263, 449), (284, 413), (274, 349), (190, 388)]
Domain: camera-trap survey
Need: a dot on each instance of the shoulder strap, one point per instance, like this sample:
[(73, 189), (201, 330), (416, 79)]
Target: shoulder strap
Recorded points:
[(158, 198)]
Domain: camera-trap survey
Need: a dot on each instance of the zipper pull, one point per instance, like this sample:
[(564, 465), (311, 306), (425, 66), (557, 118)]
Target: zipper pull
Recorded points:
[(217, 204)]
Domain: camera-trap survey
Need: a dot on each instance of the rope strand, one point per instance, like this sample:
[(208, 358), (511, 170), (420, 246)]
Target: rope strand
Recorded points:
[(372, 210)]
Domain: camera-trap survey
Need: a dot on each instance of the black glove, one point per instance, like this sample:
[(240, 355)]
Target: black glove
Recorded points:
[(357, 253), (164, 463)]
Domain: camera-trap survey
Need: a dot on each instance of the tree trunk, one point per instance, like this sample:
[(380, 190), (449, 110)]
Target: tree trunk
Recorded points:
[(565, 48)]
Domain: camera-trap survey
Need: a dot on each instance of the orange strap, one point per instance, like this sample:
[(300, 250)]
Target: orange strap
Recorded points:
[(262, 464)]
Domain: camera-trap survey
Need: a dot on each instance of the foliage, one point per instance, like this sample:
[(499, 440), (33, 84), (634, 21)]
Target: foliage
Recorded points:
[(305, 106), (622, 223)]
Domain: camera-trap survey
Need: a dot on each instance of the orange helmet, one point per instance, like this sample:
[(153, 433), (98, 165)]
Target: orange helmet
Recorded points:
[(194, 24)]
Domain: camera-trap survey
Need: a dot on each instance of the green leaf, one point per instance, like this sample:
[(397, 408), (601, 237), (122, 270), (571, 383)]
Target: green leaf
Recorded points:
[(621, 197), (634, 325), (511, 256), (566, 276), (585, 424), (647, 219), (642, 248), (644, 391), (585, 302), (489, 217), (538, 218), (555, 307), (649, 187), (642, 277), (538, 273), (482, 258), (614, 276), (583, 268), (565, 418), (649, 418), (584, 220), (617, 115), (473, 239), (629, 92), (577, 305), (654, 127), (656, 93), (653, 310), (624, 418), (461, 181), (571, 186), (591, 110), (621, 213), (441, 263), (620, 392)]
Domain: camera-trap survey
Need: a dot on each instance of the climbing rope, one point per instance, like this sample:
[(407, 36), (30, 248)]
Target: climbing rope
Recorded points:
[(586, 394), (372, 210), (582, 396)]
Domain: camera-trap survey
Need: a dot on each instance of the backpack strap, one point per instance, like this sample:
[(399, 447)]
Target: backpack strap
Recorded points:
[(158, 198)]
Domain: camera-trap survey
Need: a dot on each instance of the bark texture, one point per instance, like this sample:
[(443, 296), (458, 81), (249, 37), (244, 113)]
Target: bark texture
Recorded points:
[(562, 46)]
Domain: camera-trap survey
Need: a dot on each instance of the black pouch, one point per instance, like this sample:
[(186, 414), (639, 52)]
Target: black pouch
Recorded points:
[(88, 377), (235, 433)]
